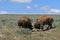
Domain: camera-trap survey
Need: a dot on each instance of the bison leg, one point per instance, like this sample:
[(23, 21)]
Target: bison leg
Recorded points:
[(49, 26), (41, 27), (29, 26), (19, 24)]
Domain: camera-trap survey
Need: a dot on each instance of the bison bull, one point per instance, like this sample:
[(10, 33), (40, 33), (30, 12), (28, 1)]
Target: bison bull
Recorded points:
[(43, 20), (25, 22)]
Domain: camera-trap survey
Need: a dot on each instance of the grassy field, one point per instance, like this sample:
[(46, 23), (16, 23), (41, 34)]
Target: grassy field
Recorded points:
[(10, 31)]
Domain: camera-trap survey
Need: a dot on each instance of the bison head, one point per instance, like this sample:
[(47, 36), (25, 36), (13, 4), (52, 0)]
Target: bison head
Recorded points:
[(37, 26)]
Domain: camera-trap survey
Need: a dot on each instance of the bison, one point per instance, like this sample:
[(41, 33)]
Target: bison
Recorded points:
[(25, 22), (43, 20)]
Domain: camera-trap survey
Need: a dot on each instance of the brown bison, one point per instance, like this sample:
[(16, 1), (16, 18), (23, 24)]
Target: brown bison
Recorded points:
[(43, 20), (25, 22)]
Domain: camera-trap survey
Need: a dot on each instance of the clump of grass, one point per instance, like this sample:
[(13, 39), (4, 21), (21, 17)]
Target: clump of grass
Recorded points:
[(24, 31), (3, 20)]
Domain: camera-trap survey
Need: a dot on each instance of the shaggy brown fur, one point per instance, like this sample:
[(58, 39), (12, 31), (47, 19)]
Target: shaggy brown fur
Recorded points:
[(25, 22), (43, 20)]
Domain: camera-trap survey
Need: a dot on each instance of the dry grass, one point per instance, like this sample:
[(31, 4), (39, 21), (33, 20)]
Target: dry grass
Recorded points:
[(10, 31)]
